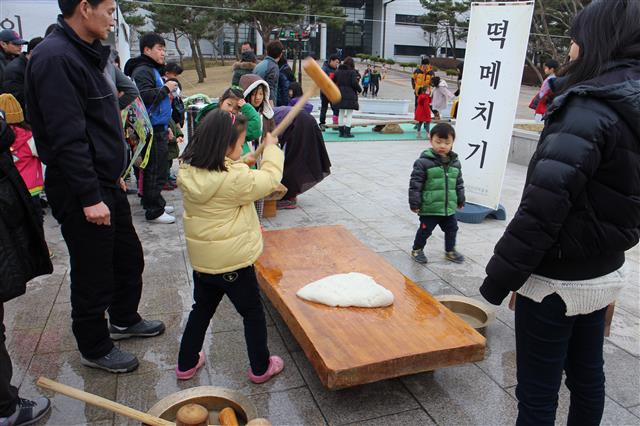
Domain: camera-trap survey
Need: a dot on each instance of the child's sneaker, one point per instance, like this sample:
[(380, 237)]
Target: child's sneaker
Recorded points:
[(418, 256), (454, 256), (276, 365), (186, 375)]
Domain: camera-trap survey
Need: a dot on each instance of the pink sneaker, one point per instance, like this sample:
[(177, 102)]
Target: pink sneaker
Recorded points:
[(276, 365), (186, 375)]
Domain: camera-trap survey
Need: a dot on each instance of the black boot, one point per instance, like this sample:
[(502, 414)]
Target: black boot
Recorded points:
[(341, 130), (347, 132)]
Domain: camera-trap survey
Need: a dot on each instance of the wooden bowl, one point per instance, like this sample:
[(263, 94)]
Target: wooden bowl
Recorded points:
[(212, 398), (477, 314)]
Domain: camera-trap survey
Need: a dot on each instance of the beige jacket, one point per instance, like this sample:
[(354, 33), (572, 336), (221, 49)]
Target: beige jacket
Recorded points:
[(220, 221)]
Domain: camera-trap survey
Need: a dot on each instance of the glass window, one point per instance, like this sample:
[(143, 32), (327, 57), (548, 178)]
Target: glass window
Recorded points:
[(407, 19)]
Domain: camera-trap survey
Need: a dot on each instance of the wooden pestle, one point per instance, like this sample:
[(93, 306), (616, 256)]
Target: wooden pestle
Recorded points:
[(101, 402), (322, 83), (228, 417), (192, 415)]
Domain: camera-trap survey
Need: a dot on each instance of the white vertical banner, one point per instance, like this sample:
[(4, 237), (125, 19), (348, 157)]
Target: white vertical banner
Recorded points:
[(493, 67)]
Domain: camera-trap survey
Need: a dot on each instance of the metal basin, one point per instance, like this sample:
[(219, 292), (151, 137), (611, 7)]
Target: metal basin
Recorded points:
[(212, 398), (477, 314)]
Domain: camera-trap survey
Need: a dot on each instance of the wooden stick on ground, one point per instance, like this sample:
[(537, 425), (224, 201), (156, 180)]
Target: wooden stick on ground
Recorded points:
[(101, 402)]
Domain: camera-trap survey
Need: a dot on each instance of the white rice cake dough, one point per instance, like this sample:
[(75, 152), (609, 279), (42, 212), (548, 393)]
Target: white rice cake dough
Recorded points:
[(344, 290)]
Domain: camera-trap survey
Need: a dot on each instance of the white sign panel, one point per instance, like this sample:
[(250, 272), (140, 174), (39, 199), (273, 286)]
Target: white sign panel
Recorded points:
[(493, 66)]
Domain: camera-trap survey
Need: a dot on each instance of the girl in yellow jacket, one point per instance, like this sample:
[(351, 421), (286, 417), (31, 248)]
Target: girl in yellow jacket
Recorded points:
[(224, 238)]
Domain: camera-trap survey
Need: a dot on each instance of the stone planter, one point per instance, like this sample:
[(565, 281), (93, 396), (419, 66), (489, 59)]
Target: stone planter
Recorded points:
[(523, 145)]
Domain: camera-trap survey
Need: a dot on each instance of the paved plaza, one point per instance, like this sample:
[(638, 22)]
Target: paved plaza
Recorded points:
[(367, 193)]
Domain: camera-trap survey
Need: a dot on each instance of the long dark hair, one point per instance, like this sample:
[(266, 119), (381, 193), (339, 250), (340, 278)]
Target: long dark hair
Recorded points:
[(232, 93), (216, 133), (296, 89), (348, 62), (605, 31)]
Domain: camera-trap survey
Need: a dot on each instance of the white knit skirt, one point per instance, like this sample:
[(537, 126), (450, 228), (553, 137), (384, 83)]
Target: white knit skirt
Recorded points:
[(581, 297)]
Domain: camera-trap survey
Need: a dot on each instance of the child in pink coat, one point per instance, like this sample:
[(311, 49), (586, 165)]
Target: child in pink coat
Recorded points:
[(23, 150)]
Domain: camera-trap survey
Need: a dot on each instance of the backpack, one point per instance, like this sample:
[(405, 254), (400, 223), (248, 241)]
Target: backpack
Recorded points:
[(422, 78)]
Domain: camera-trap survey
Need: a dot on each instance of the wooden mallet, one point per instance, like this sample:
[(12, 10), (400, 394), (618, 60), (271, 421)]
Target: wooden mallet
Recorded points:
[(322, 83)]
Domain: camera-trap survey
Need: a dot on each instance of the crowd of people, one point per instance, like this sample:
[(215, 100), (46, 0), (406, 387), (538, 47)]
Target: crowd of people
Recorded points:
[(62, 105)]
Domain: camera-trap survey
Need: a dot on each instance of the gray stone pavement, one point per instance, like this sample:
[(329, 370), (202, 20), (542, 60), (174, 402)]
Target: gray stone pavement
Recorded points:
[(366, 193)]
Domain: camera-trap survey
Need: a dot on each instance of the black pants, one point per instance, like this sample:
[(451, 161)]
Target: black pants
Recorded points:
[(448, 224), (37, 207), (548, 342), (324, 105), (155, 174), (365, 90), (8, 393), (106, 268), (374, 89), (241, 287)]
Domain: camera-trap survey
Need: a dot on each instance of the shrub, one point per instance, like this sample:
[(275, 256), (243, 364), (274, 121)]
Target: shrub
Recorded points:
[(363, 56), (412, 64), (451, 72), (389, 61)]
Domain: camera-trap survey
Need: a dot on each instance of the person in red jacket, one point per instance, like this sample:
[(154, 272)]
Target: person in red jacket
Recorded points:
[(423, 111)]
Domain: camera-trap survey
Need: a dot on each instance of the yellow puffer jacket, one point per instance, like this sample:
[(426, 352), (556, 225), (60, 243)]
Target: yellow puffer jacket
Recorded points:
[(220, 221)]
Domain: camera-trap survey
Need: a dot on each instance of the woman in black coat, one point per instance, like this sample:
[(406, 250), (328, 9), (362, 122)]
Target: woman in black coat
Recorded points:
[(348, 81), (580, 211), (24, 255)]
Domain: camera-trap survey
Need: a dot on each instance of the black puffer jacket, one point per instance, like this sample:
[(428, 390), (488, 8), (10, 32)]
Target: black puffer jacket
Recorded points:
[(24, 252), (347, 81), (580, 210)]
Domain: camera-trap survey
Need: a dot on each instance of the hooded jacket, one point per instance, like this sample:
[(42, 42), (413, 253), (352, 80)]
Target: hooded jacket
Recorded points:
[(221, 225), (580, 209), (245, 66), (73, 111), (249, 83), (145, 72), (24, 251), (26, 159), (436, 187)]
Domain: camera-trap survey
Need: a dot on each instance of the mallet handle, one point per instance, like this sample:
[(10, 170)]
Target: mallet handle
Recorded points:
[(291, 115), (101, 402)]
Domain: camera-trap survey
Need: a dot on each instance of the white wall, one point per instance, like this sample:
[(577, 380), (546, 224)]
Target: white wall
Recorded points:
[(404, 34), (31, 18), (376, 44)]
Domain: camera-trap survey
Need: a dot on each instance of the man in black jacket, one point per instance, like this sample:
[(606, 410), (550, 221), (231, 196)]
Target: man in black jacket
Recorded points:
[(13, 82), (10, 47), (146, 71), (21, 236), (74, 112)]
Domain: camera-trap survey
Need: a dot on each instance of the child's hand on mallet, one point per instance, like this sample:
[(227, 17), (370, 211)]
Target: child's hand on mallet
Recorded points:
[(269, 139), (461, 206), (249, 159)]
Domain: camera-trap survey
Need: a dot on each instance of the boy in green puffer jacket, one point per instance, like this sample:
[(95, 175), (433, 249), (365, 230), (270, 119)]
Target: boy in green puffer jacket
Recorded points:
[(436, 189)]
